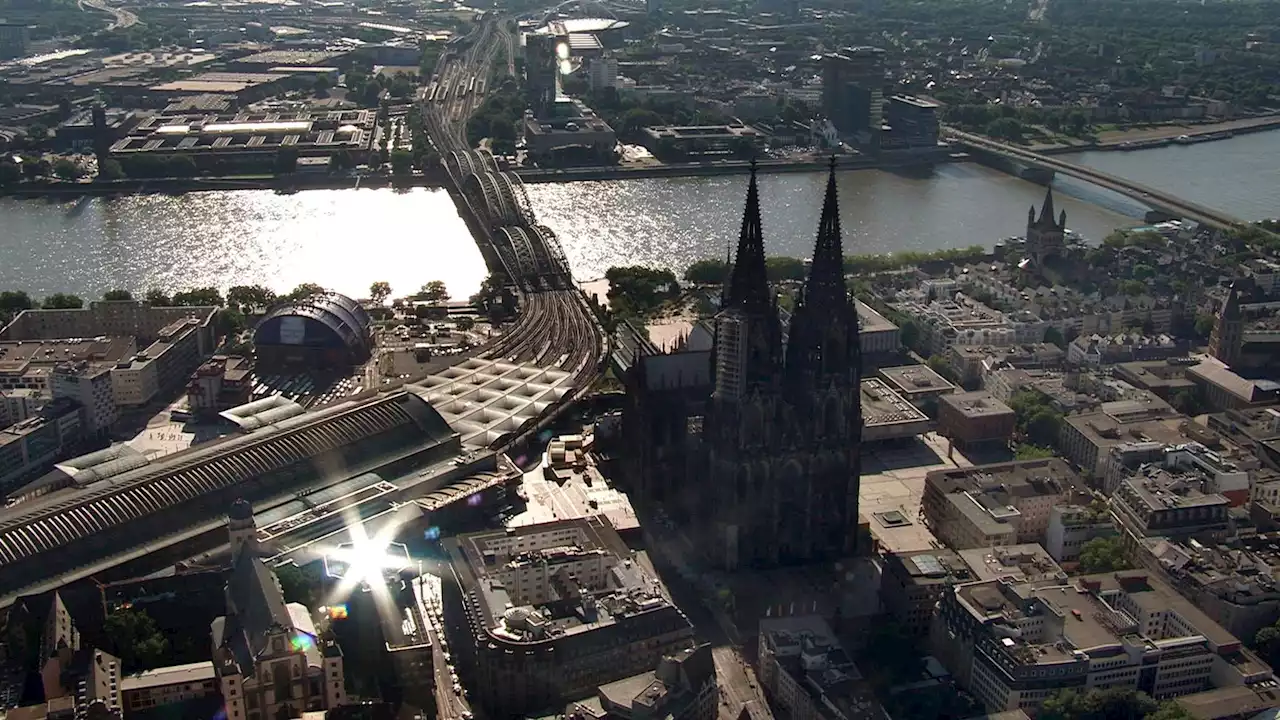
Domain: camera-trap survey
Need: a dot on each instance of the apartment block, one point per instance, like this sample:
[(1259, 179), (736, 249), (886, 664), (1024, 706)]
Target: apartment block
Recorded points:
[(1013, 645), (998, 504)]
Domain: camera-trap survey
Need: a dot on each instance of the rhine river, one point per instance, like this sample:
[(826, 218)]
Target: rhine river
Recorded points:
[(347, 239)]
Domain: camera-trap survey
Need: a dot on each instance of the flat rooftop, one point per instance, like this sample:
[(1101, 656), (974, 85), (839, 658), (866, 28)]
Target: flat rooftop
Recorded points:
[(870, 321), (172, 675), (882, 406), (977, 404), (17, 356), (912, 380)]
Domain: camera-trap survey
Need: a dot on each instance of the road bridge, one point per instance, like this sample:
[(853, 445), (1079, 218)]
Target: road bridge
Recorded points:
[(1152, 197)]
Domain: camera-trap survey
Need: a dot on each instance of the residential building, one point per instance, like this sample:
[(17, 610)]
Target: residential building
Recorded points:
[(109, 318), (220, 383), (1096, 349), (911, 583), (1073, 525), (962, 320), (268, 658), (1013, 645), (18, 405), (602, 73), (170, 359), (1087, 439), (805, 671), (28, 364), (547, 612), (1023, 563), (881, 340), (975, 418), (170, 685), (1061, 389), (1160, 502), (1237, 585), (682, 687), (35, 444), (998, 504), (974, 362), (89, 385)]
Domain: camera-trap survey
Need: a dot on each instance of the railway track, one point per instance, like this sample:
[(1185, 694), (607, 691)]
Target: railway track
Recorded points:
[(556, 326)]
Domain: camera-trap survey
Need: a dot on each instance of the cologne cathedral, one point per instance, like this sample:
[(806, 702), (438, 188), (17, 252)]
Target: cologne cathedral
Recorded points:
[(759, 453)]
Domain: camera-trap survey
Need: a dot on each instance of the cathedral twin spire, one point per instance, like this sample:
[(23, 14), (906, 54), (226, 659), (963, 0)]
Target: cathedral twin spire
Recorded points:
[(823, 334)]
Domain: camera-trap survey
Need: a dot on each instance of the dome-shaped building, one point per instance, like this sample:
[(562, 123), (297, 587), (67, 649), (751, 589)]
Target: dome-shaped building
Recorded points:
[(320, 331)]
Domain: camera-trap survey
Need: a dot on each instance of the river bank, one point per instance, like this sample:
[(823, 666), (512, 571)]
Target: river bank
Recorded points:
[(294, 183), (175, 186), (1162, 135)]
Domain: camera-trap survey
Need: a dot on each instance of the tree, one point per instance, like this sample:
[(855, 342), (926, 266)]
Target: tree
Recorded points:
[(638, 291), (939, 364), (13, 302), (110, 170), (305, 290), (1103, 555), (710, 272), (909, 331), (67, 169), (1267, 643), (379, 292), (61, 301), (1170, 710), (198, 297), (465, 323), (1204, 324), (1032, 452), (1054, 336), (401, 163), (1118, 703), (156, 297), (1186, 402), (133, 637), (112, 295), (299, 584), (434, 292), (246, 297)]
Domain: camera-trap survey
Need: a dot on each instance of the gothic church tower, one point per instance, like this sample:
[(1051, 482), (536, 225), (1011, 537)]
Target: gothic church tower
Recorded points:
[(784, 425)]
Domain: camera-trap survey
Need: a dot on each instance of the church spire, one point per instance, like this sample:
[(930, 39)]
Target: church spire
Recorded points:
[(748, 286), (824, 327), (1046, 210), (826, 276)]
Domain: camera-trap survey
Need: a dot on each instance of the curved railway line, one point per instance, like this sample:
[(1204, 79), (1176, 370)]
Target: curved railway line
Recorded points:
[(556, 326)]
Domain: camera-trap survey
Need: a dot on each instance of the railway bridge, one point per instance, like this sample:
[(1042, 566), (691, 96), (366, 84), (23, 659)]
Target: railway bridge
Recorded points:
[(1156, 199), (530, 253)]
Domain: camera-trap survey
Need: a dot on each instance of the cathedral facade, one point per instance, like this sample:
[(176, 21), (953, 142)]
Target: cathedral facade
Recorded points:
[(770, 450)]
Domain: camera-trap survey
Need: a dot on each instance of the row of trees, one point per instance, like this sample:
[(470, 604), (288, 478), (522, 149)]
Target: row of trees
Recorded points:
[(787, 268), (1114, 704), (497, 119)]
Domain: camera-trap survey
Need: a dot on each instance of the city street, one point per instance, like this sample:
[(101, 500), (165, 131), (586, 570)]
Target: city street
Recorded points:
[(450, 706)]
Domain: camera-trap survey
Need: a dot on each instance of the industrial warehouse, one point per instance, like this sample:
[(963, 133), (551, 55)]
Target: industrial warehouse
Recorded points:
[(310, 132)]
